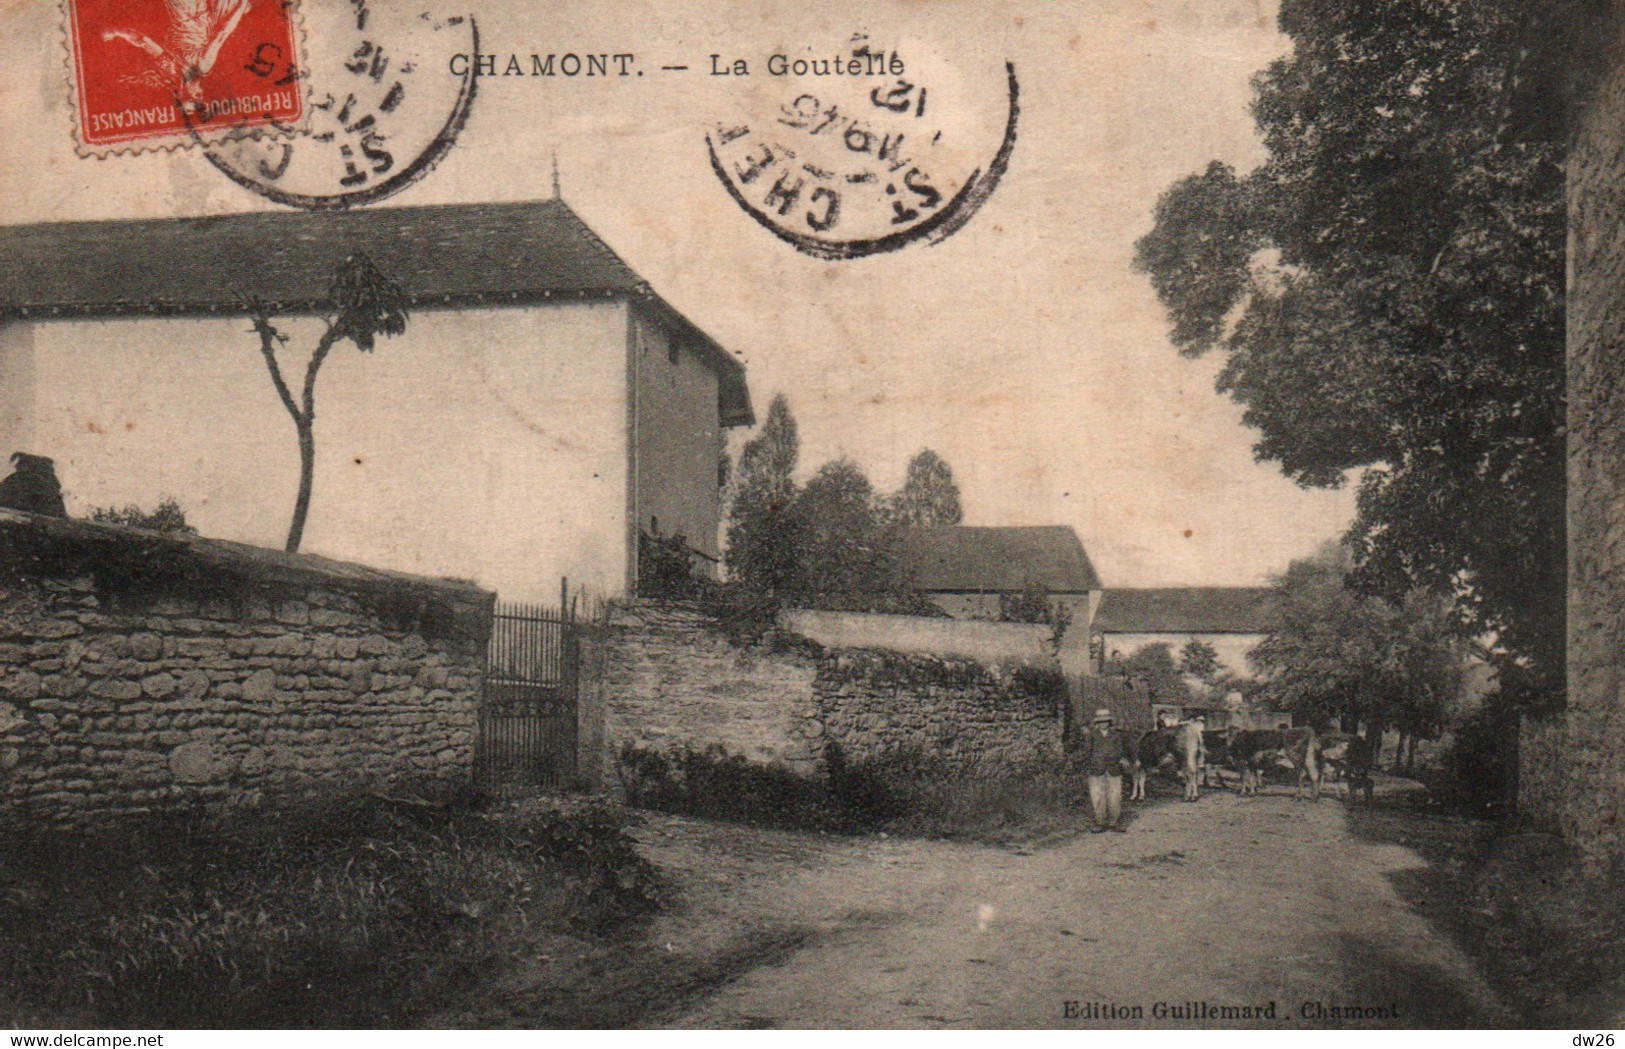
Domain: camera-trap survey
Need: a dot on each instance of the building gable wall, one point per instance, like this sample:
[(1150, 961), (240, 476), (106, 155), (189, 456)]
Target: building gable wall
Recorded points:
[(679, 439), (483, 443)]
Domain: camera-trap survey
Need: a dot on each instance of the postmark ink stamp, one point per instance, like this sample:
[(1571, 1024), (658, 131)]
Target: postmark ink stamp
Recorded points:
[(864, 155), (151, 75), (379, 118)]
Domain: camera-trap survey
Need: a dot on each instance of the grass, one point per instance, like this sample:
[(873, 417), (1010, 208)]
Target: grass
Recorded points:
[(905, 793), (356, 912), (618, 984)]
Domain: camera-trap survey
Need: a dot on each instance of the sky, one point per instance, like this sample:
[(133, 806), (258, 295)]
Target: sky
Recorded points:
[(1023, 348)]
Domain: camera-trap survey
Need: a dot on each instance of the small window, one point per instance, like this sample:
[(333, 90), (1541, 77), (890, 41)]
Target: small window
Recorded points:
[(673, 351)]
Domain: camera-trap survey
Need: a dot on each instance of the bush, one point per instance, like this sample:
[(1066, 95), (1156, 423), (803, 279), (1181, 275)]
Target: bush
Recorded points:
[(906, 792), (1477, 770), (167, 516), (668, 569), (1034, 604), (713, 784), (353, 912)]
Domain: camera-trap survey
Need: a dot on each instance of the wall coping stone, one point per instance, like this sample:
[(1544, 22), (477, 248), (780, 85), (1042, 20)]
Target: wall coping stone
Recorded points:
[(36, 547)]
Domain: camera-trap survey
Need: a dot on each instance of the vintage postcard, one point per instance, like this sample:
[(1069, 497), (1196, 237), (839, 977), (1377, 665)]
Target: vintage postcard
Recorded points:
[(906, 515)]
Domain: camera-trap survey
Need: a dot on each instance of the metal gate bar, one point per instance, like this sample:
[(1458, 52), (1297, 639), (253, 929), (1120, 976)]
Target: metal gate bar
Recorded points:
[(527, 717)]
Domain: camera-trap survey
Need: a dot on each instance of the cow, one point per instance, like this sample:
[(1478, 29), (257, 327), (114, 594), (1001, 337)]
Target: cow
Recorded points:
[(1216, 745), (1254, 750), (1178, 745), (1347, 762)]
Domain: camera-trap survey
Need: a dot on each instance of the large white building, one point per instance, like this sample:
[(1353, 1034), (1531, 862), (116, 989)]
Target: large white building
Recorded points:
[(543, 407)]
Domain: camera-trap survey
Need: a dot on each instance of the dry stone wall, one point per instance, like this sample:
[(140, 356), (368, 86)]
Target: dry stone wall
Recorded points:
[(667, 676), (141, 673), (971, 717), (671, 677)]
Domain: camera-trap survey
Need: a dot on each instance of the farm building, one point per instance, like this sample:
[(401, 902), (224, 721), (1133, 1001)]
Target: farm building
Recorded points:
[(542, 409), (968, 571), (1232, 619)]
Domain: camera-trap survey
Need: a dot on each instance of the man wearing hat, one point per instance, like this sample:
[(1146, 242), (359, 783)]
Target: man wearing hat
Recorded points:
[(1105, 758)]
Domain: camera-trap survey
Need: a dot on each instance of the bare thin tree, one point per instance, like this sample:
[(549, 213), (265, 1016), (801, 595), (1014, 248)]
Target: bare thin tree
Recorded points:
[(365, 304)]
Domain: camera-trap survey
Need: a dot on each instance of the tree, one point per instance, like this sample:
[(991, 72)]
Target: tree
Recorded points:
[(929, 495), (1387, 288), (1335, 653), (763, 532), (1199, 660), (1153, 668), (1033, 603), (840, 551), (365, 305)]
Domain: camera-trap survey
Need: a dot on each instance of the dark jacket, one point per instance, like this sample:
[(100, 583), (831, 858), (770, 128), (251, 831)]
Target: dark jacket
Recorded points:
[(1103, 755)]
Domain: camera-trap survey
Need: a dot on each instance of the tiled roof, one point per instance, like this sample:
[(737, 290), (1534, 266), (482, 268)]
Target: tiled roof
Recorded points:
[(965, 559), (446, 255), (1186, 610)]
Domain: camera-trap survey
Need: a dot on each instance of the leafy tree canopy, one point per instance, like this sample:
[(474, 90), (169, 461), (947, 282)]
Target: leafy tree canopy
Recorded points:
[(820, 545), (929, 495), (1154, 669), (1336, 653), (1388, 291), (1033, 603), (1200, 660), (763, 533), (840, 534)]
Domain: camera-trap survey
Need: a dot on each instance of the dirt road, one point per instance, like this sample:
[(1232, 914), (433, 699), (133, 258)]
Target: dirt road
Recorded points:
[(1267, 903)]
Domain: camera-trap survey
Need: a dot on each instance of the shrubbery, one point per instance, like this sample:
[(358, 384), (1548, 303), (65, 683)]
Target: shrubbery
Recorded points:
[(360, 912), (1478, 765), (906, 792), (167, 516)]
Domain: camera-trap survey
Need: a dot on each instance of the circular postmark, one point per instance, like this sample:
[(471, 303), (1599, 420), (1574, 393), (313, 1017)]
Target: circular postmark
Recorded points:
[(381, 112), (869, 151)]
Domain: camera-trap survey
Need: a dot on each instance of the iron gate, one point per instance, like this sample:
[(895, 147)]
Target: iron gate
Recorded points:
[(527, 721)]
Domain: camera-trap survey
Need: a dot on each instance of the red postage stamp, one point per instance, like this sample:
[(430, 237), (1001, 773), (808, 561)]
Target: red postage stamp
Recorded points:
[(150, 73)]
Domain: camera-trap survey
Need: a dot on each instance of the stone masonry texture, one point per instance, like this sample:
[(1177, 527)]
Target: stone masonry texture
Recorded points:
[(668, 677), (1572, 765), (141, 673)]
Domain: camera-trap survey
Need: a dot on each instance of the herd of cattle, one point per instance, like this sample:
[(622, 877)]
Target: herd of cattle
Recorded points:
[(1197, 754)]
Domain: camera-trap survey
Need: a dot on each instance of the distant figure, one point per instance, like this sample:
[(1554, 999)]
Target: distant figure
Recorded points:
[(32, 486)]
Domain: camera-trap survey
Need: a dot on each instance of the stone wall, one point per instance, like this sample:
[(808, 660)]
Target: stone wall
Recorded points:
[(1572, 765), (972, 717), (141, 672), (668, 676)]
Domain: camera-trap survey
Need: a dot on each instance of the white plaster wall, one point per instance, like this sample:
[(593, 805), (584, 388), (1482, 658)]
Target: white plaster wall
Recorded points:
[(679, 440), (16, 390), (486, 444)]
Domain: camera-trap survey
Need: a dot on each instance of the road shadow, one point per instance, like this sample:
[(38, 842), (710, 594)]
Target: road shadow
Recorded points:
[(1396, 990), (1547, 933)]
